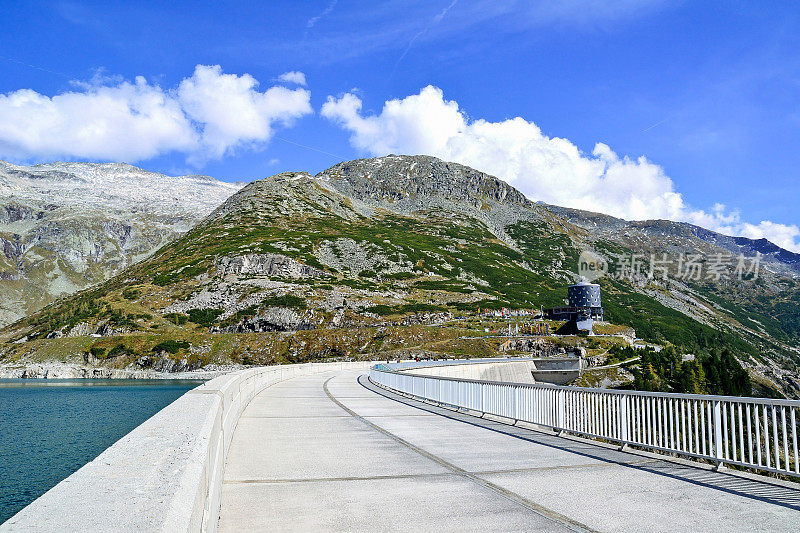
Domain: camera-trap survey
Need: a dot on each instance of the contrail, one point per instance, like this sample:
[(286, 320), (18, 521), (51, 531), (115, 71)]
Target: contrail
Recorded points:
[(311, 148), (35, 67), (325, 12), (656, 124), (435, 20)]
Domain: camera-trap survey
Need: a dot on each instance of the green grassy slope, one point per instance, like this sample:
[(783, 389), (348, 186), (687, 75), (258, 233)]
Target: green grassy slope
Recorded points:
[(384, 265)]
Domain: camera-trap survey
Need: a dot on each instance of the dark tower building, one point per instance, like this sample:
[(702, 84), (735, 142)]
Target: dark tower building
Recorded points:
[(584, 306), (585, 294)]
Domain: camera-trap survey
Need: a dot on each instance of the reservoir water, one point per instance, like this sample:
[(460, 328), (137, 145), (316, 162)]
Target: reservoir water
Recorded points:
[(50, 428)]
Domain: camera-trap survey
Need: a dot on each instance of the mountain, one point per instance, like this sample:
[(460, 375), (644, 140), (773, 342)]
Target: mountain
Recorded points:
[(600, 225), (376, 256), (67, 226)]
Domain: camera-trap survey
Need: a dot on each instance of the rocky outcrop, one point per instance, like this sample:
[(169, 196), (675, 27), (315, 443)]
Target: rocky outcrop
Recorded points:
[(400, 179), (353, 257), (541, 348), (14, 212), (427, 319), (84, 329), (420, 184), (12, 247), (81, 329), (272, 319), (73, 371), (161, 362), (65, 371), (276, 265)]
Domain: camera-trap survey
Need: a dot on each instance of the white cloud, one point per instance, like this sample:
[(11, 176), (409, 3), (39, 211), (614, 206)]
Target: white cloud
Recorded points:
[(325, 12), (129, 121), (783, 235), (293, 76), (208, 115), (545, 168), (231, 112)]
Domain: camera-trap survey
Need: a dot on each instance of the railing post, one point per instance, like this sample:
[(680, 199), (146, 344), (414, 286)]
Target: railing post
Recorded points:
[(561, 409), (623, 420), (718, 432)]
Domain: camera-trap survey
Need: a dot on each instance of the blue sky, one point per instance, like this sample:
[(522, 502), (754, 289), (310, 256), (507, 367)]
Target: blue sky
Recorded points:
[(707, 92)]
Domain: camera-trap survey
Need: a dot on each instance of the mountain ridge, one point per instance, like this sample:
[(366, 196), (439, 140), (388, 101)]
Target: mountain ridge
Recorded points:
[(67, 226), (397, 241), (735, 244)]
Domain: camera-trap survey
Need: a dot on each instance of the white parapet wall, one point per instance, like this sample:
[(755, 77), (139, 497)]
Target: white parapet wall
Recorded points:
[(558, 371), (165, 475), (506, 371)]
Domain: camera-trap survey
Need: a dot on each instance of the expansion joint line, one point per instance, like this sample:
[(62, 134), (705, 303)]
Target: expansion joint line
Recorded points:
[(500, 491)]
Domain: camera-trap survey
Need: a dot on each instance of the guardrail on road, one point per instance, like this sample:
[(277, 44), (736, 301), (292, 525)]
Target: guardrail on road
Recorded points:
[(757, 433)]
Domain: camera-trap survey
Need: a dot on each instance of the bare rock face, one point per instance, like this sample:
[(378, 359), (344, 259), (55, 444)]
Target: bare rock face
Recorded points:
[(266, 265), (273, 319), (541, 348), (414, 181), (14, 212), (162, 363), (69, 371), (427, 319), (67, 226), (413, 184), (348, 255), (81, 329)]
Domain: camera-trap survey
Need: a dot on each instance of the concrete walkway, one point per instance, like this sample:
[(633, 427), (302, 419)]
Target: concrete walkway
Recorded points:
[(329, 453)]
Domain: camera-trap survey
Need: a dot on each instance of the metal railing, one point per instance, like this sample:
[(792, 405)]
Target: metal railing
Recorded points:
[(757, 433)]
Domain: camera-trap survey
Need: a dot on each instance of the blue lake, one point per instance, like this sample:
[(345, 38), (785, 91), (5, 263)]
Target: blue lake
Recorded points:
[(50, 428)]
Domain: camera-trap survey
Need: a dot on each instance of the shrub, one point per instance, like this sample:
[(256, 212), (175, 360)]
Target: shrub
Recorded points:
[(120, 319), (286, 300), (400, 275), (162, 279), (119, 349), (97, 351), (204, 317), (130, 294), (176, 318), (381, 310), (170, 346)]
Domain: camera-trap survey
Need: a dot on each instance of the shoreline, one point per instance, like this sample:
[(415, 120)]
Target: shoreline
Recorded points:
[(76, 371)]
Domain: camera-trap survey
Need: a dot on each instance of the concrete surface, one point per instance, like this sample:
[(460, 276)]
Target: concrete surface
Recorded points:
[(555, 370), (326, 452), (165, 475), (509, 372)]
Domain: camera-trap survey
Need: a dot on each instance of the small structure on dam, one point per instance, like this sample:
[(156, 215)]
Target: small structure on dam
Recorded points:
[(546, 362), (584, 308), (554, 370)]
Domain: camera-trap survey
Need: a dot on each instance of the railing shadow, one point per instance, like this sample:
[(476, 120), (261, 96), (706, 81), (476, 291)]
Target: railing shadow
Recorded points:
[(725, 481)]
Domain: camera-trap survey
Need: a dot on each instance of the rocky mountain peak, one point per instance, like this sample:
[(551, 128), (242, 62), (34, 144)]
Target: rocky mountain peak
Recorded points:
[(287, 194), (399, 179)]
